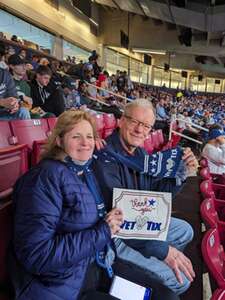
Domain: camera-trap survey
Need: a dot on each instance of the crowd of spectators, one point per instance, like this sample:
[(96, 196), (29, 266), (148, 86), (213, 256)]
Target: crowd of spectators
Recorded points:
[(39, 87), (36, 87)]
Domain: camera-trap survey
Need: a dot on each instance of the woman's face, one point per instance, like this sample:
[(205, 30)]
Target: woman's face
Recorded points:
[(79, 143)]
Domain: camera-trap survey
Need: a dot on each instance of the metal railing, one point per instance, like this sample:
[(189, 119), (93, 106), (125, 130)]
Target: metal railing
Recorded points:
[(184, 135)]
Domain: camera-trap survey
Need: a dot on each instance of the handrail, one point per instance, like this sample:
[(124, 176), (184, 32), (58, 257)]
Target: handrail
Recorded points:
[(110, 92), (96, 99), (187, 137), (184, 135), (193, 124)]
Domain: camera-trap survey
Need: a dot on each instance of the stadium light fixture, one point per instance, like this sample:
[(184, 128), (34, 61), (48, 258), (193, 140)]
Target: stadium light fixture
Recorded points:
[(149, 51)]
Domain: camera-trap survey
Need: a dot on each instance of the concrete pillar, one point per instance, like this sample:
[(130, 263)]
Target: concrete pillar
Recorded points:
[(57, 47), (151, 73), (102, 58)]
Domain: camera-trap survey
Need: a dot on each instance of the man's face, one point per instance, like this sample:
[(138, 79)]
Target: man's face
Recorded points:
[(136, 125), (18, 70), (43, 79)]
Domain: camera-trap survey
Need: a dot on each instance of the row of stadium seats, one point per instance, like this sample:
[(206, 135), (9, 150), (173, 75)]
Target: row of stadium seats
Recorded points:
[(22, 141), (213, 214)]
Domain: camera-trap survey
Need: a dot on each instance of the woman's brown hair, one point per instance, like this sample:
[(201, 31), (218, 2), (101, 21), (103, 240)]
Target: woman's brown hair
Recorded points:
[(65, 123)]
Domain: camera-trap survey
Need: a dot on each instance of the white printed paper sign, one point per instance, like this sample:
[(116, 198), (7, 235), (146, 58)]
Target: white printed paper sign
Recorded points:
[(146, 214)]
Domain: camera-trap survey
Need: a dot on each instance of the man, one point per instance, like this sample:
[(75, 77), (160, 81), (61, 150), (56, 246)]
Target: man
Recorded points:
[(9, 105), (70, 94), (166, 262), (18, 70), (42, 97)]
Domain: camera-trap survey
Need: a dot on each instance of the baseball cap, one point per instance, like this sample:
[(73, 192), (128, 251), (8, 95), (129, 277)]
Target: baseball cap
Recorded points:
[(215, 133), (15, 60), (68, 83), (92, 80)]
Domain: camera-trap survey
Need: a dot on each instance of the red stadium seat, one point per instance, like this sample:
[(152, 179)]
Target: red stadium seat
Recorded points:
[(203, 163), (215, 178), (13, 163), (155, 140), (6, 137), (214, 190), (148, 144), (205, 174), (13, 160), (99, 121), (213, 255), (208, 213), (109, 124), (51, 123), (38, 148), (6, 221), (213, 212), (33, 133), (28, 131), (219, 294)]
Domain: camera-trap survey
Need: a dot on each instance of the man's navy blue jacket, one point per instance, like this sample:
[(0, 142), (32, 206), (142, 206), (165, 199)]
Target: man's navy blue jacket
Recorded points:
[(112, 174), (56, 234)]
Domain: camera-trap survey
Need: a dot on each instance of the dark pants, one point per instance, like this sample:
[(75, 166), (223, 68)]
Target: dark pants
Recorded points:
[(97, 283), (55, 103)]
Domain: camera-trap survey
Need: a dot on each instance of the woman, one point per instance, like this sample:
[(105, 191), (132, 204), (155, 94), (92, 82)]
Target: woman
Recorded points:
[(60, 224), (214, 151)]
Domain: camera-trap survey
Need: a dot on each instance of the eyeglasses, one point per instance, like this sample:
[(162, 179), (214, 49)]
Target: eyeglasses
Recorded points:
[(135, 122)]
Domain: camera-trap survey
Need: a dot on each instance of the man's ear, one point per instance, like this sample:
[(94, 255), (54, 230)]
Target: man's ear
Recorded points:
[(120, 121)]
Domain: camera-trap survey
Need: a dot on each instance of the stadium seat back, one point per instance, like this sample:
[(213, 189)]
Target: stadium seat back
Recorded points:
[(209, 213), (203, 163), (13, 163), (219, 294), (109, 121), (99, 122), (109, 124), (5, 134), (155, 141), (51, 123), (160, 137), (28, 131), (205, 174), (206, 189), (148, 144), (213, 255), (219, 190)]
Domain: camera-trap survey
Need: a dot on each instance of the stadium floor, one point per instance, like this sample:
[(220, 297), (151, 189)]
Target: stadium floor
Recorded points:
[(186, 205)]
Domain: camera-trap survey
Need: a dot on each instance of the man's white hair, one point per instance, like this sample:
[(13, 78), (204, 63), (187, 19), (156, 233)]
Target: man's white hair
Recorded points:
[(139, 103)]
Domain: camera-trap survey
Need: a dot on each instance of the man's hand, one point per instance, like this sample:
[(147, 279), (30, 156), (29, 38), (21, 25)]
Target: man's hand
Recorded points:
[(178, 262), (114, 219), (10, 103), (190, 161)]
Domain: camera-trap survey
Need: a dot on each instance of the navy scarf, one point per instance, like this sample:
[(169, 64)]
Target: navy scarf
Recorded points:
[(163, 164), (105, 257)]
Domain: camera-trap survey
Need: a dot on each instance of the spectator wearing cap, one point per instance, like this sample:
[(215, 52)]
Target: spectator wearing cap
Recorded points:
[(92, 90), (214, 151), (103, 83), (70, 94), (10, 108), (18, 70)]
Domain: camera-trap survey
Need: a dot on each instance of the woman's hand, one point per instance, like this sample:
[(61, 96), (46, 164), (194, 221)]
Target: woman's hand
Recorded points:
[(114, 219)]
